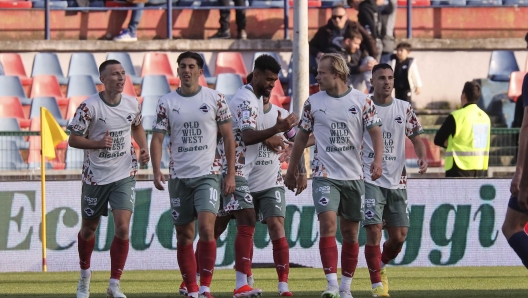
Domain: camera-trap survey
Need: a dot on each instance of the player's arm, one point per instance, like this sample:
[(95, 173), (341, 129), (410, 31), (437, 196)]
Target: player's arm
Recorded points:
[(377, 144), (420, 150), (442, 135), (413, 129), (297, 152), (156, 147), (311, 141), (252, 136), (81, 142), (226, 130), (138, 132)]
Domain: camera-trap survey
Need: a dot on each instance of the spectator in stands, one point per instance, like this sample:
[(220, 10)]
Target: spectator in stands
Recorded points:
[(466, 134), (369, 17), (359, 64), (406, 76), (336, 27), (388, 19), (129, 34), (223, 32)]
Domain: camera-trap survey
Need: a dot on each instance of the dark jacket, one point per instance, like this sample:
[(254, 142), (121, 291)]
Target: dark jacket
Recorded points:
[(369, 18), (326, 34), (353, 59), (388, 18)]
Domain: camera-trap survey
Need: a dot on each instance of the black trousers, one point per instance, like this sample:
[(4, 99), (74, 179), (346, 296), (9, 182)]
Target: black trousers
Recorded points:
[(403, 94), (240, 15)]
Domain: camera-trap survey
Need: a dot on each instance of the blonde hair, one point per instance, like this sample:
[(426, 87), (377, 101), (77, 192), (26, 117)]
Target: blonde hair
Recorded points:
[(338, 65)]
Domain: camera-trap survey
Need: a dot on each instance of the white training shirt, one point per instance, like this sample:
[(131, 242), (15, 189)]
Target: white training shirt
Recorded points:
[(192, 122), (337, 124), (93, 118), (266, 172), (400, 122)]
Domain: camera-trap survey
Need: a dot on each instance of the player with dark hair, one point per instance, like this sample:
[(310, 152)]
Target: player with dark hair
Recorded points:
[(103, 126), (386, 197), (194, 115)]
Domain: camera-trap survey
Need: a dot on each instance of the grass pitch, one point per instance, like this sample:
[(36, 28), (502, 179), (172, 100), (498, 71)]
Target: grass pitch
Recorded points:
[(482, 282)]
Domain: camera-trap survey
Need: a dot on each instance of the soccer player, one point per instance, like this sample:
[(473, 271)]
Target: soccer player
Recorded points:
[(386, 198), (245, 107), (103, 126), (337, 116), (193, 116), (514, 227)]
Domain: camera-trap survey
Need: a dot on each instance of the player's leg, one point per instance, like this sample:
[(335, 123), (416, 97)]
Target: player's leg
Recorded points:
[(326, 197), (514, 229), (374, 205)]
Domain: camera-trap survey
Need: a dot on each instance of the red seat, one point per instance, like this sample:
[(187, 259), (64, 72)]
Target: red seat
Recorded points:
[(314, 88), (277, 90), (311, 3), (415, 3), (10, 106), (16, 4), (515, 87), (58, 162), (73, 104), (48, 85), (12, 63), (231, 62), (158, 64), (129, 87), (432, 153)]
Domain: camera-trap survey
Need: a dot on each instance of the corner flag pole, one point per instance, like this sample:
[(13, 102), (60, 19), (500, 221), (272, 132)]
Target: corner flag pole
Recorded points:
[(43, 189)]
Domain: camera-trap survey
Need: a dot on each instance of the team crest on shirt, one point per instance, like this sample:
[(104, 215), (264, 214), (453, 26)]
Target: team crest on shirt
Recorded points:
[(323, 201), (399, 119), (130, 117), (204, 108), (353, 110)]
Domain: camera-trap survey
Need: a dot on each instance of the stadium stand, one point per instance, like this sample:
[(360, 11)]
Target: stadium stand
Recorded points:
[(73, 104), (230, 62), (2, 73), (10, 158), (53, 4), (11, 125), (158, 64), (10, 106), (267, 3), (129, 87), (81, 85), (515, 87), (11, 86), (228, 84), (48, 85), (415, 3), (311, 3), (74, 158), (48, 64), (209, 78), (84, 64), (51, 105), (13, 66), (484, 2), (502, 64), (126, 62), (148, 108), (156, 85)]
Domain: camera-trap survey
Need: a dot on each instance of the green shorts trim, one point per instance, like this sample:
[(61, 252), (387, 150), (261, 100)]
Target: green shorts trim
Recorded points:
[(240, 199), (270, 202), (383, 204), (189, 196), (119, 194), (346, 197)]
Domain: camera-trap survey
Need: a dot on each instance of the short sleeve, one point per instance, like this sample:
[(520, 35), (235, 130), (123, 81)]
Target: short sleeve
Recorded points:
[(412, 125), (247, 113), (161, 124), (139, 117), (370, 115), (81, 120), (223, 114), (307, 120)]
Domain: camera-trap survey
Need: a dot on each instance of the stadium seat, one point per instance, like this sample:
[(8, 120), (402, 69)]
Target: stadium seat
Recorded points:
[(207, 73), (330, 3), (449, 2), (515, 87), (15, 4), (268, 3), (53, 4), (48, 85), (491, 89), (73, 104), (11, 125), (48, 64), (35, 149), (81, 85), (432, 154), (74, 158), (311, 3), (202, 81), (10, 158), (158, 64), (230, 62), (277, 90), (10, 107), (129, 87), (11, 86), (415, 3), (2, 73), (51, 105), (13, 66), (484, 2), (148, 121), (126, 62), (516, 2), (84, 64), (149, 106), (228, 83), (502, 64), (157, 85)]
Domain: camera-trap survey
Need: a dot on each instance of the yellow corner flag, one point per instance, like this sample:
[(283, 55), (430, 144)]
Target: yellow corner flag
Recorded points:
[(51, 133)]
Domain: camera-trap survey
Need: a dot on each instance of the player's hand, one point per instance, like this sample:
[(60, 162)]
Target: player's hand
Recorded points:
[(285, 154), (302, 182), (275, 143), (106, 141), (285, 124), (514, 186), (375, 171), (144, 156), (159, 180), (290, 181), (228, 186), (422, 163)]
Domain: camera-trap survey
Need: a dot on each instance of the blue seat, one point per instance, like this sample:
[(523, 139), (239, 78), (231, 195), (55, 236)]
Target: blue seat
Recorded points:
[(516, 2), (484, 2), (10, 158), (207, 74), (74, 158), (2, 73), (148, 121), (81, 85), (149, 106), (268, 3), (11, 86), (126, 62), (50, 103), (449, 2), (84, 64), (502, 64), (53, 4), (155, 85), (228, 83), (11, 125), (330, 3), (48, 64), (490, 89), (165, 155)]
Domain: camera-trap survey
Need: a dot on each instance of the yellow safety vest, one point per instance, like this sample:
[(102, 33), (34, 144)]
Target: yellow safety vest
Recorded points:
[(469, 147)]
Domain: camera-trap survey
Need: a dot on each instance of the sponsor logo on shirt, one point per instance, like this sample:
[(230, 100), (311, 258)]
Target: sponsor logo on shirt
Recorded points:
[(398, 119), (353, 110), (130, 117), (204, 108), (323, 201)]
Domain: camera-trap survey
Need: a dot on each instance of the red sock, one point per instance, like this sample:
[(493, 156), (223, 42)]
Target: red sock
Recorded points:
[(328, 251), (349, 258), (85, 248), (197, 258), (243, 247), (388, 254), (373, 258), (187, 264), (207, 252), (118, 256), (281, 257)]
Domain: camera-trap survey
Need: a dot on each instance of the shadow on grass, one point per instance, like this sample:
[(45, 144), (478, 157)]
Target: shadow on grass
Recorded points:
[(357, 294)]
